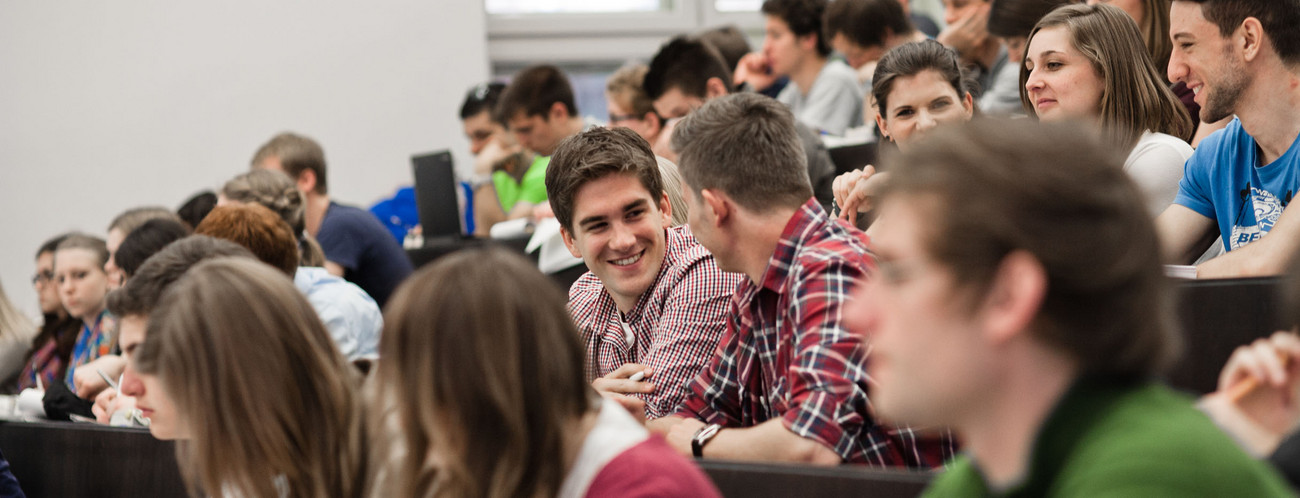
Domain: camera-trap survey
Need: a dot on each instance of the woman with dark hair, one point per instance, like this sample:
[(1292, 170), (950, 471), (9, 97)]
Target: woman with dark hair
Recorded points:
[(144, 241), (48, 357), (482, 367), (916, 87), (1087, 63)]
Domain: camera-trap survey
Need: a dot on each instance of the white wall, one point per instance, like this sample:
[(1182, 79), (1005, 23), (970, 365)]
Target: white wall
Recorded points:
[(109, 105)]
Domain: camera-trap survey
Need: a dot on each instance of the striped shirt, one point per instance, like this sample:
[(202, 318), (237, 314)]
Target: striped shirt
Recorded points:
[(787, 355), (673, 329)]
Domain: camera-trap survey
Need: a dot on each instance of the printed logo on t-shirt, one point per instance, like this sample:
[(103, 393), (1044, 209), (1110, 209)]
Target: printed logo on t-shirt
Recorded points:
[(1267, 208)]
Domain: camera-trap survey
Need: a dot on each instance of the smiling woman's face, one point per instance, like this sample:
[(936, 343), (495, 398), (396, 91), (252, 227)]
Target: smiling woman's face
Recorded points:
[(1062, 82)]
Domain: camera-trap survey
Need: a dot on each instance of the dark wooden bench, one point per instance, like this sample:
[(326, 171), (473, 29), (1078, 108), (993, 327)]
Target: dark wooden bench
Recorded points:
[(1215, 317), (760, 480), (63, 459)]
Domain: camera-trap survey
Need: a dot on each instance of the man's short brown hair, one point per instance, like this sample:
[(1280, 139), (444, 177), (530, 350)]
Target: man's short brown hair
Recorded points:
[(533, 91), (1059, 194), (296, 153), (259, 230), (745, 145), (595, 154)]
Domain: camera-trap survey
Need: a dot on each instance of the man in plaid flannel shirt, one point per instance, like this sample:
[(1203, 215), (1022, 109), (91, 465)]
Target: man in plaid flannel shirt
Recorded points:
[(788, 382), (654, 303)]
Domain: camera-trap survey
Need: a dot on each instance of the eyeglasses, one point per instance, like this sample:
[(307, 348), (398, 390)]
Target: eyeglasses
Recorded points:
[(43, 277)]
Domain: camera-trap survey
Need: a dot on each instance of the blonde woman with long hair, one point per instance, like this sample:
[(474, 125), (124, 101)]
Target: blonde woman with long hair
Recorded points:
[(16, 333), (482, 367), (237, 366)]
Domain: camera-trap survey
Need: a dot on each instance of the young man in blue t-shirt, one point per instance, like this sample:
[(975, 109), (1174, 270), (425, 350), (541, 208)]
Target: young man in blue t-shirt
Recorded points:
[(1243, 58)]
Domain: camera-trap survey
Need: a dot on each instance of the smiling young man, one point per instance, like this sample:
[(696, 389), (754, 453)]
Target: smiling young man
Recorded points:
[(1031, 317), (654, 304), (787, 382), (1240, 57), (687, 72), (823, 93)]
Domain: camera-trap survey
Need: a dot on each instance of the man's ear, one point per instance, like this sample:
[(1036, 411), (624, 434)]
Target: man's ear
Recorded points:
[(1251, 38), (1015, 297), (807, 42), (714, 88), (653, 123), (558, 112), (718, 206), (569, 242), (667, 207), (307, 181)]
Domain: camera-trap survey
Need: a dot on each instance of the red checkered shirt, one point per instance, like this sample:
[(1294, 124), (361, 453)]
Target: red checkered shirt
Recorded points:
[(675, 326), (786, 354)]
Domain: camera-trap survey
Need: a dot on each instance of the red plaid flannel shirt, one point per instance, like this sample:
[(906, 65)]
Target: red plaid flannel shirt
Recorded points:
[(786, 355), (676, 324)]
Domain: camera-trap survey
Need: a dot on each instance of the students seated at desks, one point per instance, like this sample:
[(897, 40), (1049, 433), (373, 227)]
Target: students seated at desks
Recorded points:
[(1087, 63), (357, 247), (654, 304), (352, 318), (260, 414), (1035, 332), (823, 93), (917, 87), (1240, 58), (479, 343), (687, 72), (138, 246), (787, 382)]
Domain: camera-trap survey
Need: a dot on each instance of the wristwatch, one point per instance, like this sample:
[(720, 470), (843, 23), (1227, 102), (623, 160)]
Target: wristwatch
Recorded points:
[(702, 438)]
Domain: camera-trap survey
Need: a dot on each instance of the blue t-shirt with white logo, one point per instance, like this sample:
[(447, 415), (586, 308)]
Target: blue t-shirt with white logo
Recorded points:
[(1225, 181)]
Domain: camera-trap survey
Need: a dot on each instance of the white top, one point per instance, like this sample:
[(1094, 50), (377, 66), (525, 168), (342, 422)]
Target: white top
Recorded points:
[(832, 105), (1156, 165)]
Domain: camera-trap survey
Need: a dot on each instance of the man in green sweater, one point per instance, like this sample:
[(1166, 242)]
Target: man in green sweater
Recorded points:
[(1020, 301)]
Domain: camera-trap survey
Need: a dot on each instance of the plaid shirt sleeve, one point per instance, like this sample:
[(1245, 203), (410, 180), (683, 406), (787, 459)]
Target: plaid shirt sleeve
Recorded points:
[(687, 334), (826, 377), (714, 395)]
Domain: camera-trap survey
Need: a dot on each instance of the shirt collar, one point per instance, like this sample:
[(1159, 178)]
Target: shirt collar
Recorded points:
[(807, 220)]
